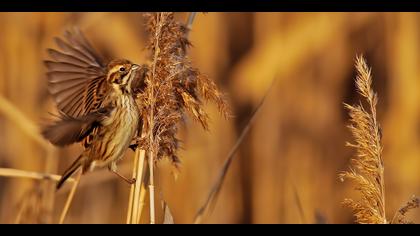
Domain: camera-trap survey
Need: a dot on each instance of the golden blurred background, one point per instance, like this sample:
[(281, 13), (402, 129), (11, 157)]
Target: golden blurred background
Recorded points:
[(286, 169)]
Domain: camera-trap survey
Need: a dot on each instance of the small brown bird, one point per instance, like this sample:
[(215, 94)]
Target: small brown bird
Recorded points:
[(95, 101)]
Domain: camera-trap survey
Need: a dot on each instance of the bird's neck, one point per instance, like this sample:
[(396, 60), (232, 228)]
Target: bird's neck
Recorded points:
[(121, 90), (122, 97)]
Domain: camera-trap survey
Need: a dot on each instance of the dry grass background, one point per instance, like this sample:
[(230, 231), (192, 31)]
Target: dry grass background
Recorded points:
[(286, 170)]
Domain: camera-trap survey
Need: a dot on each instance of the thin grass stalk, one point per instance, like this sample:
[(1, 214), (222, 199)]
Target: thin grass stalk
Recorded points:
[(298, 203), (70, 198), (205, 209)]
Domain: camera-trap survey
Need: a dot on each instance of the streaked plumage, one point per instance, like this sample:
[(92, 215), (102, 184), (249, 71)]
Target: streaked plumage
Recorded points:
[(95, 101)]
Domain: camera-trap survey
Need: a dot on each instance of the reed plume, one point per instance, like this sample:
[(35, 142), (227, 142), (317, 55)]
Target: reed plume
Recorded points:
[(172, 89), (367, 168)]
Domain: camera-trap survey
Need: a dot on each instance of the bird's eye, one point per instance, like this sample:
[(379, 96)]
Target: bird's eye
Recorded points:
[(122, 69)]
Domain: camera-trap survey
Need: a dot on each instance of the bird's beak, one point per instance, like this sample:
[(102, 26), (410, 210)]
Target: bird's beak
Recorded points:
[(135, 67)]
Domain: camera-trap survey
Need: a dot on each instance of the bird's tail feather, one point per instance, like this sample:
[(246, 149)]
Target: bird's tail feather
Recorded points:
[(69, 172)]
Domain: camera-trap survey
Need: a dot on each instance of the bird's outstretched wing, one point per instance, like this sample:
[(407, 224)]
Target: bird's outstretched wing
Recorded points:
[(76, 75)]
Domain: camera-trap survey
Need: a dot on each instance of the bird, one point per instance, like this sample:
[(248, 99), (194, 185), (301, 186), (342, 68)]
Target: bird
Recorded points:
[(95, 101)]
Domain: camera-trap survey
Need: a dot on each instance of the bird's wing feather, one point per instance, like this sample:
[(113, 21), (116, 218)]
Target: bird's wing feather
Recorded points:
[(67, 130), (76, 75)]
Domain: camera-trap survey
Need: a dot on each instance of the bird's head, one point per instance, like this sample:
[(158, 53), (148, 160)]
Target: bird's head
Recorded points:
[(120, 74)]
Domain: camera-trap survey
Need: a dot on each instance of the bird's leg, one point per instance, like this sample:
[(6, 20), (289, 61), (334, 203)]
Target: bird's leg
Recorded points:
[(113, 168)]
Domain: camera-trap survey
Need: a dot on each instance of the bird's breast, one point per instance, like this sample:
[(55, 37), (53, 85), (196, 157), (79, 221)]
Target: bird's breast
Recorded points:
[(124, 118), (117, 131)]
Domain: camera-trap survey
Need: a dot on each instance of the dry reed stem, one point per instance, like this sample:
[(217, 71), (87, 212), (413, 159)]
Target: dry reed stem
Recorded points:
[(367, 169), (152, 191), (151, 155), (132, 189), (17, 173), (134, 208), (137, 190), (190, 21), (70, 197), (9, 172), (212, 197)]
